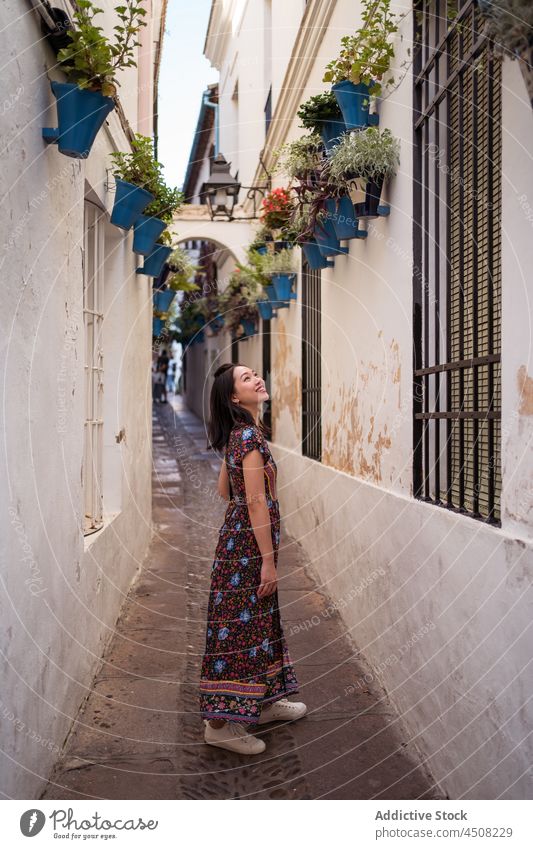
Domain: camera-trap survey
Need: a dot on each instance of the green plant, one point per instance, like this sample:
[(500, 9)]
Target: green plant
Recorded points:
[(165, 202), (90, 59), (281, 263), (367, 154), (366, 56), (276, 208), (262, 236), (319, 109), (238, 301), (297, 158), (138, 165), (165, 238)]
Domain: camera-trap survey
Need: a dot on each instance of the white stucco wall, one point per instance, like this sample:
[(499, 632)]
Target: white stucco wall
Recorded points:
[(437, 602), (61, 592)]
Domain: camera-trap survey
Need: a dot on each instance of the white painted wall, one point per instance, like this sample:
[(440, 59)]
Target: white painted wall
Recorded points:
[(61, 592), (437, 602)]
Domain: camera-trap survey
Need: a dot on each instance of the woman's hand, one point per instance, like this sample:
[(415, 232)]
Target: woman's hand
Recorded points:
[(268, 579)]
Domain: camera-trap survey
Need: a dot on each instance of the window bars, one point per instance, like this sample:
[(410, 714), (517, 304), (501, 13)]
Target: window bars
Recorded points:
[(93, 301), (311, 363), (457, 261)]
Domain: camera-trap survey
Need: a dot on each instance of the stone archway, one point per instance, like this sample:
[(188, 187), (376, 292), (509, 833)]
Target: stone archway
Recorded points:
[(193, 222)]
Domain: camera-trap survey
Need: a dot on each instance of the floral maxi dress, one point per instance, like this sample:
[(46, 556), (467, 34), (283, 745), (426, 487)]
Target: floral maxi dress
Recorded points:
[(246, 662)]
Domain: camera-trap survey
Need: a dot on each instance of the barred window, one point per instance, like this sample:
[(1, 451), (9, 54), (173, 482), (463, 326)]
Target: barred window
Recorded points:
[(457, 261), (311, 360), (93, 300)]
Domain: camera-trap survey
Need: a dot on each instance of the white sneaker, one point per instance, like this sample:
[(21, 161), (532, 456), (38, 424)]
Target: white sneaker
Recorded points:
[(282, 709), (234, 737)]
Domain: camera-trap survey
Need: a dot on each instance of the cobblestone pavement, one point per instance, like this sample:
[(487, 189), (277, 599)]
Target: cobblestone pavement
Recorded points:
[(138, 735)]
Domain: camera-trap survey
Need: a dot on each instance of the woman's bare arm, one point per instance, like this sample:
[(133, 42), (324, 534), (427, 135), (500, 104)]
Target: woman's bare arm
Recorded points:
[(223, 483), (254, 484)]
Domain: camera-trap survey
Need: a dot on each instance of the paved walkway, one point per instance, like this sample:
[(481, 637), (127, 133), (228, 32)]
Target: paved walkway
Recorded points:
[(139, 735)]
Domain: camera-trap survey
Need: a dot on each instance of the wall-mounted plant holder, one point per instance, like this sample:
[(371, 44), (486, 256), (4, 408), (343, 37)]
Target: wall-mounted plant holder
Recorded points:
[(331, 132), (326, 238), (249, 327), (341, 212), (353, 101), (371, 206), (155, 261), (265, 309), (157, 326), (283, 286), (163, 300), (80, 114), (273, 298), (146, 232), (130, 200), (314, 258)]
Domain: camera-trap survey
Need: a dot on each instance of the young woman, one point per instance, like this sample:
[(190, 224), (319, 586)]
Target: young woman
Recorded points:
[(246, 669)]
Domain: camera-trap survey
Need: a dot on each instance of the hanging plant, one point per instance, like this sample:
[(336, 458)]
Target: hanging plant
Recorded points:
[(366, 56), (509, 26), (319, 110), (138, 165), (90, 59), (165, 203), (276, 208), (238, 302), (368, 154), (279, 263), (298, 158)]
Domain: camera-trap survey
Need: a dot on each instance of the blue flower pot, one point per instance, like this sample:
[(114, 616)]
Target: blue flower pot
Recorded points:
[(282, 285), (314, 258), (146, 232), (248, 325), (326, 239), (342, 215), (353, 101), (275, 302), (217, 323), (130, 200), (157, 326), (331, 132), (155, 261), (198, 337), (262, 250), (161, 280), (265, 309), (163, 300), (80, 114)]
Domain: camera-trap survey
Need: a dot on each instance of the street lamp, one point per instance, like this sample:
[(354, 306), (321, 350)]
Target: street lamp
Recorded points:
[(221, 190)]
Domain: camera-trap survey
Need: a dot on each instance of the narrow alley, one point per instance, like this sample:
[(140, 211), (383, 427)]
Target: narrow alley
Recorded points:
[(138, 734)]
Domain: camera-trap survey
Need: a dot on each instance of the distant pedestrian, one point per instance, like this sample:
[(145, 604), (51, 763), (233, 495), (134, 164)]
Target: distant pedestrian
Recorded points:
[(159, 385)]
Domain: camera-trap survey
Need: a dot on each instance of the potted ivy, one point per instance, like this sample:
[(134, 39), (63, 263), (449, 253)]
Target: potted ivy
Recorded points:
[(370, 155), (149, 226), (136, 174), (322, 115), (364, 59), (91, 62)]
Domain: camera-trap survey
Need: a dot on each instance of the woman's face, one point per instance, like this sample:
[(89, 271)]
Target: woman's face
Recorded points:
[(248, 388)]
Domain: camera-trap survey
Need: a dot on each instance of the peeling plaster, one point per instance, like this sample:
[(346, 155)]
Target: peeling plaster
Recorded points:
[(525, 388), (288, 388)]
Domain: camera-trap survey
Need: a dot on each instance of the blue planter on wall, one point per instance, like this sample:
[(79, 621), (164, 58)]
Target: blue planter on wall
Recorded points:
[(147, 231), (326, 239), (80, 114), (157, 326), (282, 285), (314, 258), (353, 101), (331, 132), (262, 250), (155, 261), (130, 200), (265, 309), (275, 302), (341, 213), (163, 300), (248, 325)]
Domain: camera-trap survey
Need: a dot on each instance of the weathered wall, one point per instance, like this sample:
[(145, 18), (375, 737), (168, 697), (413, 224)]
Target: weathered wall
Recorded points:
[(61, 592)]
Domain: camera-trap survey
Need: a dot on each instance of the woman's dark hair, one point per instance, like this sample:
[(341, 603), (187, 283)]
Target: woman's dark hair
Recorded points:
[(224, 414)]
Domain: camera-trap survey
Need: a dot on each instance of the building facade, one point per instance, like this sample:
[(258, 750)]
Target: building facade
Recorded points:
[(400, 378), (76, 357)]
